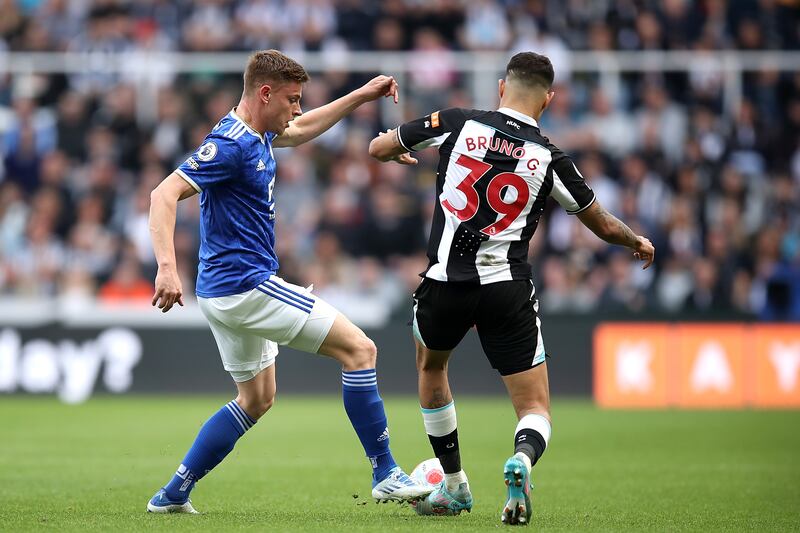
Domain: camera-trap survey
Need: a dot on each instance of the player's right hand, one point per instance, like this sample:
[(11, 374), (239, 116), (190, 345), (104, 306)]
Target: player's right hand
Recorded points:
[(168, 289), (378, 86), (644, 250)]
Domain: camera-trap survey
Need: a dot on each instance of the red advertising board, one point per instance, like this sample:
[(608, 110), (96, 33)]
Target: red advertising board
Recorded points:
[(697, 365)]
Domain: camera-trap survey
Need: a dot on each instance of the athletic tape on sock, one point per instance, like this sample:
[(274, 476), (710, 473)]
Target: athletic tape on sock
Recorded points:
[(531, 437), (537, 423), (440, 421)]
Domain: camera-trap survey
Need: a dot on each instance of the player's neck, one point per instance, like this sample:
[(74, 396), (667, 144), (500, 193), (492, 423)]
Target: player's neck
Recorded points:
[(242, 110), (524, 107)]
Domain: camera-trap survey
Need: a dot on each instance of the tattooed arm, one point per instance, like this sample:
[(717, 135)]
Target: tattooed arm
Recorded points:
[(614, 231)]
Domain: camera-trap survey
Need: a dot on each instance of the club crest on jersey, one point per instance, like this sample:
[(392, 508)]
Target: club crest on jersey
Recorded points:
[(260, 166), (207, 152)]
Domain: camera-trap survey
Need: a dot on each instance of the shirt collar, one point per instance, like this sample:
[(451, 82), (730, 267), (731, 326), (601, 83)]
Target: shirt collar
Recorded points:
[(519, 116), (246, 125)]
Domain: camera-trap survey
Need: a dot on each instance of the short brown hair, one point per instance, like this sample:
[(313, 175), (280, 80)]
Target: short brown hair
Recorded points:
[(272, 66), (531, 69)]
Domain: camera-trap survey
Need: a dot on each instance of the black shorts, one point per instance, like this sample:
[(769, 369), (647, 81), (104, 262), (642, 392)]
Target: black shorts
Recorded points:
[(504, 313)]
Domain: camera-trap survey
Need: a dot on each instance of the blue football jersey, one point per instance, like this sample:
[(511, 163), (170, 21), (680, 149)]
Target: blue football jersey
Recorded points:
[(234, 172)]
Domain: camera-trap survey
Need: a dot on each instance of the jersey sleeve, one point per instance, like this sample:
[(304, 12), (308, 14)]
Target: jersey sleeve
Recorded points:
[(217, 160), (569, 187), (430, 130)]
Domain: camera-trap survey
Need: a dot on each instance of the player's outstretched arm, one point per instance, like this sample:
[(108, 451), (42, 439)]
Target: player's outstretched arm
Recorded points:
[(163, 206), (315, 122), (387, 147), (614, 231)]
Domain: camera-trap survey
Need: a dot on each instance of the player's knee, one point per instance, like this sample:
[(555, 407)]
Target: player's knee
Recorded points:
[(427, 363), (256, 407), (265, 405), (363, 355)]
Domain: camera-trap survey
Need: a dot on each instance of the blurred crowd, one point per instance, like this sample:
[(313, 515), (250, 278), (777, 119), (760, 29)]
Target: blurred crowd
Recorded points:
[(717, 190)]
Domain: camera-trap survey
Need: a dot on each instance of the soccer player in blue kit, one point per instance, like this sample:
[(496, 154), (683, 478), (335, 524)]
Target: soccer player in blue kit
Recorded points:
[(249, 308)]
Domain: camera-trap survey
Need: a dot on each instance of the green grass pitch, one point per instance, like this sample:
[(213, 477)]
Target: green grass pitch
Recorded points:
[(93, 467)]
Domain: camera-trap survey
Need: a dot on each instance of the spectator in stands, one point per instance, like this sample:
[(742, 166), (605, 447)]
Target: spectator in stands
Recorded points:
[(127, 285), (717, 188)]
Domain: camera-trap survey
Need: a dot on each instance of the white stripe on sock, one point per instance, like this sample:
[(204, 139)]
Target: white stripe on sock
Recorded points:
[(244, 416), (357, 376), (360, 380), (236, 416)]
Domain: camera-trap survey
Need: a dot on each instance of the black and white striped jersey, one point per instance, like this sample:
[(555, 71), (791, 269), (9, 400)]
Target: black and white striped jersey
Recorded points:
[(495, 172)]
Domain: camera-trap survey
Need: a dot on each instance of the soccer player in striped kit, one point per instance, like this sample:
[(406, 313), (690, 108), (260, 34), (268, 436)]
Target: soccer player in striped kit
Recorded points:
[(495, 173), (249, 308)]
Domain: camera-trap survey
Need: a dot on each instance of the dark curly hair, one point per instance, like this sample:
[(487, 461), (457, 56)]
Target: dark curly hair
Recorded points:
[(531, 69)]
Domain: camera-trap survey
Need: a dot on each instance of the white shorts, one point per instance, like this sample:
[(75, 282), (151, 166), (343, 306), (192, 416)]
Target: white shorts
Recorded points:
[(249, 326)]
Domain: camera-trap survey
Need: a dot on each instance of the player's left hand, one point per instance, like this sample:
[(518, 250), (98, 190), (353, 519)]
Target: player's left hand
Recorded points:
[(378, 86), (404, 158)]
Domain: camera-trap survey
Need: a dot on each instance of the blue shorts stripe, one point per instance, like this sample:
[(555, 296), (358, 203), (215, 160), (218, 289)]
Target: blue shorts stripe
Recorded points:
[(288, 291), (293, 298), (285, 300)]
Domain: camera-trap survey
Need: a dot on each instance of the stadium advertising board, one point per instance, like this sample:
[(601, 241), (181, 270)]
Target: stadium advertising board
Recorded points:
[(697, 365), (67, 367), (76, 361)]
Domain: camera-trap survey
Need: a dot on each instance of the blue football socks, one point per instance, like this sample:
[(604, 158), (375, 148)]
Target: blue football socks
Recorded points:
[(215, 441), (364, 407)]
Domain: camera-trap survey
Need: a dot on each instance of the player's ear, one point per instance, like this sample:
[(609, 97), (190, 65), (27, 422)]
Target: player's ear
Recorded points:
[(265, 93), (501, 87), (547, 99)]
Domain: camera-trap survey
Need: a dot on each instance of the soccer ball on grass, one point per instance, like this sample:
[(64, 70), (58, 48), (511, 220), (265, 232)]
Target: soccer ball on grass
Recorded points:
[(428, 472)]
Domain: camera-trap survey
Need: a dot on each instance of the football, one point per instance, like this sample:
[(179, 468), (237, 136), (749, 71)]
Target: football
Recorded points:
[(428, 472)]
